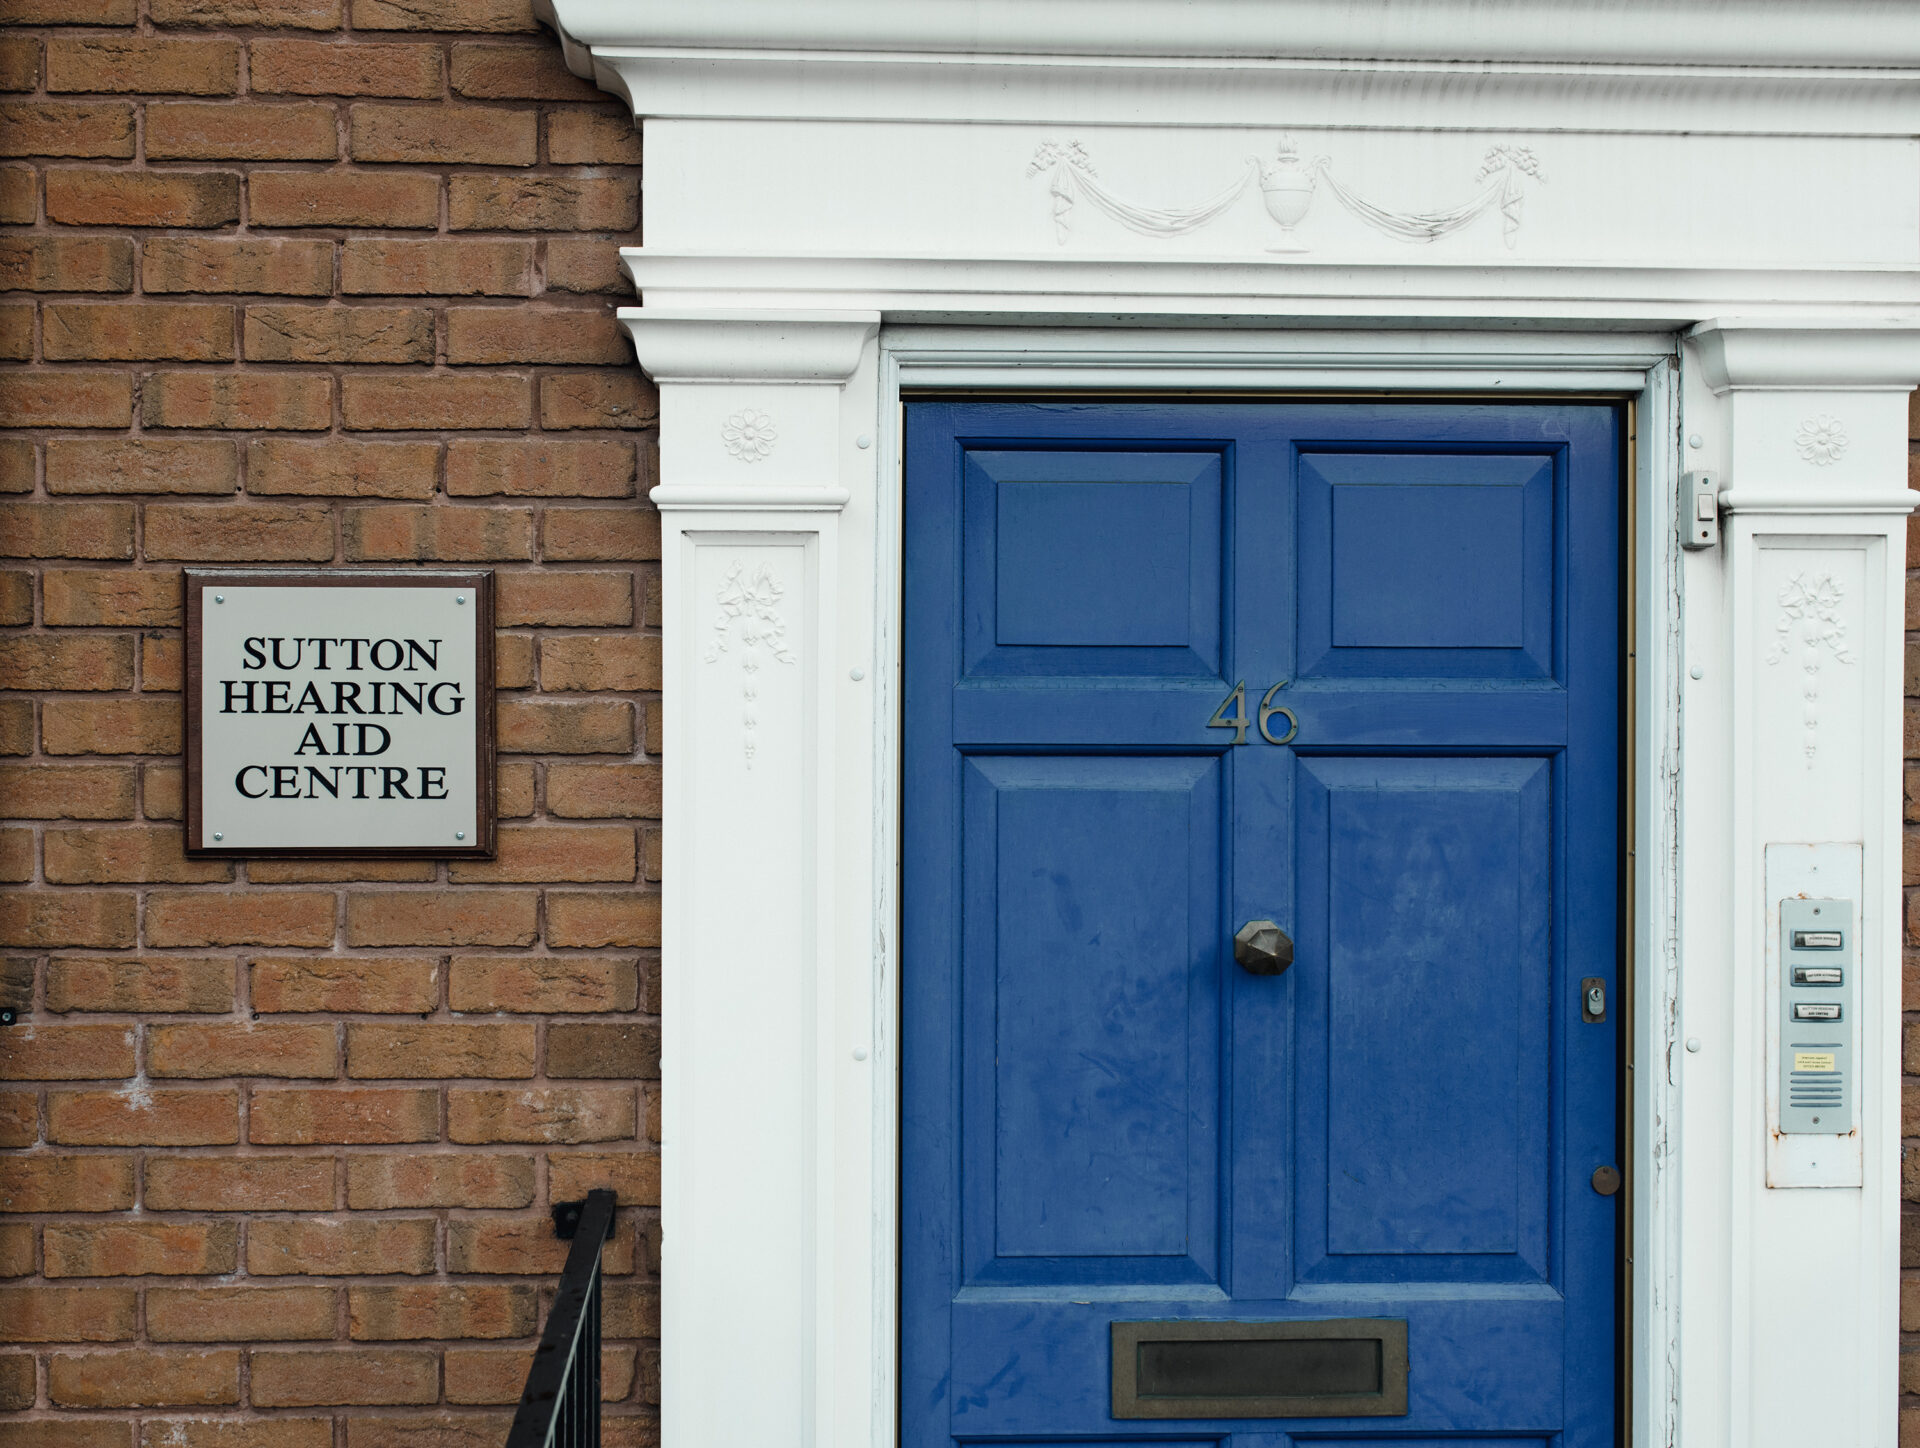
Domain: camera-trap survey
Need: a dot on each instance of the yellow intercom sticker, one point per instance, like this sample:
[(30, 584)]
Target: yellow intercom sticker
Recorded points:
[(1813, 1060)]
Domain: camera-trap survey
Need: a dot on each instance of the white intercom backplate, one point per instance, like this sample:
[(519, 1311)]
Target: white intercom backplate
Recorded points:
[(1812, 872)]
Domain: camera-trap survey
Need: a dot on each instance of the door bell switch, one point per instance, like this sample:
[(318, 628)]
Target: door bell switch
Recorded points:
[(1817, 1068)]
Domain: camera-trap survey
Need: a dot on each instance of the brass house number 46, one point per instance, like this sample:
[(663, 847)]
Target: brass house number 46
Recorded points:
[(1232, 714)]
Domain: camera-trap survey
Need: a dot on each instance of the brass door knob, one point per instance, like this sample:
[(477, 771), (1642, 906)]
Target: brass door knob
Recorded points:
[(1262, 948)]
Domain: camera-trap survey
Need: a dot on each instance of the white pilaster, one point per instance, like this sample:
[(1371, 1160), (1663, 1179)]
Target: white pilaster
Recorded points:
[(769, 1035), (1791, 737)]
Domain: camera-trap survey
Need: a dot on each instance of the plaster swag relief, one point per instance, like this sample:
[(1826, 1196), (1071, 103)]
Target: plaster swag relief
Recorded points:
[(1287, 186)]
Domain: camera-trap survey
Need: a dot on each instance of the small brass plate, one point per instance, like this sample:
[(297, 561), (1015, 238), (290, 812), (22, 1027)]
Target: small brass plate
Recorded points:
[(1348, 1367)]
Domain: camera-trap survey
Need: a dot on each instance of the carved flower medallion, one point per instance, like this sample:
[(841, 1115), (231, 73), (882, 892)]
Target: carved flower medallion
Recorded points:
[(749, 435), (1821, 439)]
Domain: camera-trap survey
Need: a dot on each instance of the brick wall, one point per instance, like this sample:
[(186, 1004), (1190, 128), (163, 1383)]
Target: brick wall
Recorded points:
[(315, 281)]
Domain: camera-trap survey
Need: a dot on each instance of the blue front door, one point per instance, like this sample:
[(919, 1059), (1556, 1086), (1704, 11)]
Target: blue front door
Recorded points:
[(1171, 668)]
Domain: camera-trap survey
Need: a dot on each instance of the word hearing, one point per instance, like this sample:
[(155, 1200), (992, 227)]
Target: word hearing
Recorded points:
[(338, 717)]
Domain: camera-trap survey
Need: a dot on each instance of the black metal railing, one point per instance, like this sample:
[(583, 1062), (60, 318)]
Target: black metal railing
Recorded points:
[(560, 1406)]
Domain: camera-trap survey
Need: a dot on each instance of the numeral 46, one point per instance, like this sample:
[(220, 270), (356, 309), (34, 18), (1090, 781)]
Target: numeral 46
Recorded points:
[(1232, 714)]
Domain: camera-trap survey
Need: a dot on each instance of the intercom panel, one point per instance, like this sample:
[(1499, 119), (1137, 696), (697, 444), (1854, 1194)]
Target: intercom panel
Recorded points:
[(1818, 974)]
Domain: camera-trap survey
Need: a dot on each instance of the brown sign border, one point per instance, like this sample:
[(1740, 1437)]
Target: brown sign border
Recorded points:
[(485, 831)]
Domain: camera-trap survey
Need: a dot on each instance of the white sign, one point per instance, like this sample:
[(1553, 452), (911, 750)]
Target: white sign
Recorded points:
[(340, 713)]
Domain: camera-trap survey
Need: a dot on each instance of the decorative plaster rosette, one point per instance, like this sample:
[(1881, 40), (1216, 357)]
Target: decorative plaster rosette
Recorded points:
[(749, 435), (1821, 439)]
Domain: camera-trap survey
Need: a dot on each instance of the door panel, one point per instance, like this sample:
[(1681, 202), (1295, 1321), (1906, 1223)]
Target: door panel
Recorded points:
[(1105, 1118)]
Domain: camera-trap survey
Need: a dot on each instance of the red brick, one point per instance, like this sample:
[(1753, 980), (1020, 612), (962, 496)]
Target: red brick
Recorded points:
[(143, 1117), (604, 791), (604, 1050), (563, 600), (340, 468), (278, 1431), (543, 203), (239, 1184), (67, 791), (240, 1314), (66, 1053), (130, 331), (423, 401), (340, 1246), (313, 1379), (540, 984), (16, 331), (479, 1179), (325, 68), (494, 335), (457, 15), (258, 131), (81, 662), (289, 401), (299, 1116), (19, 1121), (443, 135), (161, 788), (414, 1310), (133, 855), (19, 62), (16, 856), (51, 1182), (599, 662), (16, 737), (274, 14), (339, 334), (441, 917), (541, 1114), (542, 853), (17, 1260), (101, 597), (210, 1051), (162, 664), (17, 467), (438, 1050), (143, 65), (512, 661), (112, 726), (634, 1176), (139, 1249), (189, 918), (39, 919), (66, 264), (19, 195), (493, 1246), (437, 533), (68, 399), (443, 1429), (65, 530), (494, 1375), (259, 531), (565, 726), (63, 128), (393, 266), (388, 985), (142, 465), (145, 198), (598, 399), (598, 918), (517, 72), (65, 1314), (157, 984), (548, 468), (340, 198), (70, 12), (584, 266), (570, 535), (277, 265), (592, 138), (514, 779), (135, 1378)]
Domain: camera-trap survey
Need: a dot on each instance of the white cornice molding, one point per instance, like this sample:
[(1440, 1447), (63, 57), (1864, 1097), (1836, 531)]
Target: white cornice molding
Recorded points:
[(1747, 66), (702, 345), (1816, 355), (1869, 34)]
